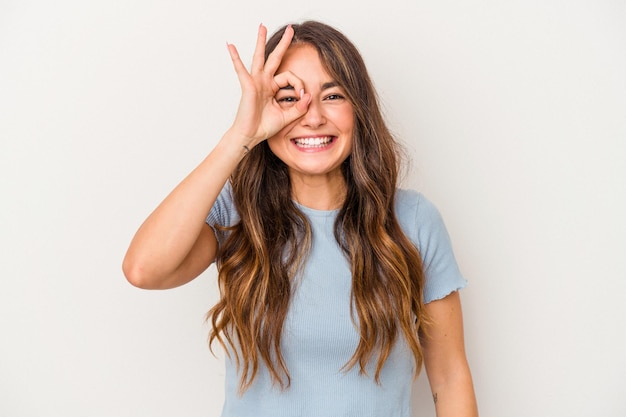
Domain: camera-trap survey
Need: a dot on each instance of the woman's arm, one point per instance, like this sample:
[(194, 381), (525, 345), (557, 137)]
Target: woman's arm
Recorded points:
[(445, 361), (174, 244)]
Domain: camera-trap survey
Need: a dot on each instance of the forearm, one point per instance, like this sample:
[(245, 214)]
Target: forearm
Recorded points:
[(173, 245), (445, 360), (454, 396), (167, 237)]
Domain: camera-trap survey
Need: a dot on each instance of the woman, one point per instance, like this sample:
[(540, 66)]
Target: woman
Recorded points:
[(335, 285)]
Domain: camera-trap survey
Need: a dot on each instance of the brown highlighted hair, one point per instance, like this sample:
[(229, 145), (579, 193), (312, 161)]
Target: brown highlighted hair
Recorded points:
[(263, 253)]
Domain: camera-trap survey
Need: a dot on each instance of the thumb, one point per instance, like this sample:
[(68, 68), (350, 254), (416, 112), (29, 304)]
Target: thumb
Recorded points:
[(299, 109)]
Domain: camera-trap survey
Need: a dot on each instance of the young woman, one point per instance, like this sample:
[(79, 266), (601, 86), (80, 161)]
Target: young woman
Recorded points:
[(335, 285)]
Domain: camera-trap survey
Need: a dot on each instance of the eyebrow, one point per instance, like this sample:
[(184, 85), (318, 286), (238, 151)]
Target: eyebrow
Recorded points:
[(325, 86), (330, 84)]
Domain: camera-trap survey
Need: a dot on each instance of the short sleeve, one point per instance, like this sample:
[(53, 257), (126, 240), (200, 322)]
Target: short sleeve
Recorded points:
[(223, 213), (424, 225)]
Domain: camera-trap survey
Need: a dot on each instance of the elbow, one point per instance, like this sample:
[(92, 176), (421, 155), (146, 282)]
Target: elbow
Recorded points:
[(136, 275)]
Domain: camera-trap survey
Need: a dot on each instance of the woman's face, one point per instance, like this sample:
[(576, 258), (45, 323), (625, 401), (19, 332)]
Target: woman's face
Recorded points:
[(317, 143)]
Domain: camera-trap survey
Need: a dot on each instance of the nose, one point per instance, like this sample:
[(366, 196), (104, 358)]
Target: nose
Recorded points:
[(314, 117)]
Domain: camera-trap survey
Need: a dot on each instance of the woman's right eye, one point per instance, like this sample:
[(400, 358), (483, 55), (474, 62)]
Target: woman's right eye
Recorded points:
[(287, 100)]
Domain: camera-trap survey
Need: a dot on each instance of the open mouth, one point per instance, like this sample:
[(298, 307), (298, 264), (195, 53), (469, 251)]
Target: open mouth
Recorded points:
[(317, 142)]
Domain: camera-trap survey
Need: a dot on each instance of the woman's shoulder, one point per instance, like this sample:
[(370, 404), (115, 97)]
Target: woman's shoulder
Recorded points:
[(223, 212), (414, 206), (423, 224), (419, 218)]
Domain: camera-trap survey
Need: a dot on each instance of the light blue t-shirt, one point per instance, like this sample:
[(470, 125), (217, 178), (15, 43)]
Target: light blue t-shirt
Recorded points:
[(319, 336)]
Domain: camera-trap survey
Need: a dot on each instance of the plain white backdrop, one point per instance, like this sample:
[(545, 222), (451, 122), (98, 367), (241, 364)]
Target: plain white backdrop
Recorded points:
[(514, 114)]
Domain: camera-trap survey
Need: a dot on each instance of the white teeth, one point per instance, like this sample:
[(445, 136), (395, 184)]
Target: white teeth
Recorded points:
[(313, 142)]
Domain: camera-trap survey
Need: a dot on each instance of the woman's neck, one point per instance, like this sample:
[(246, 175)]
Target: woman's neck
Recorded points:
[(319, 193)]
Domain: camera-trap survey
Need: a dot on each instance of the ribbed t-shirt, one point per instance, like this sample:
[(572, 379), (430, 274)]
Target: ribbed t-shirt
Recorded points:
[(319, 336)]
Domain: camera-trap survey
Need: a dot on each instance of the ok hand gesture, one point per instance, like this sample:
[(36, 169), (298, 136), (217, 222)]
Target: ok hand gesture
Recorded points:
[(259, 116)]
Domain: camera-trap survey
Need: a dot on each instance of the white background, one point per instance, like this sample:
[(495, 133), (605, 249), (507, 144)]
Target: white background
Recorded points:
[(514, 113)]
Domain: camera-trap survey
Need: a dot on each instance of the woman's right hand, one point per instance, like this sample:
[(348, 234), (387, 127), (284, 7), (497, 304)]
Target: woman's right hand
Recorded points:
[(174, 244), (259, 116)]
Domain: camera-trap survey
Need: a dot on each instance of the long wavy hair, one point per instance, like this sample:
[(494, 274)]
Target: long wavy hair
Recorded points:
[(264, 252)]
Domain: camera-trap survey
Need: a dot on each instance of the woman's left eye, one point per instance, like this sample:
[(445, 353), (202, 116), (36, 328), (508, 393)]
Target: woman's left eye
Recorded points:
[(334, 97)]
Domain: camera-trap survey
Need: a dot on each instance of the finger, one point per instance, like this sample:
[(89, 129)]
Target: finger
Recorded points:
[(295, 112), (234, 56), (289, 79), (303, 104), (276, 56), (240, 68), (258, 59), (286, 79)]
